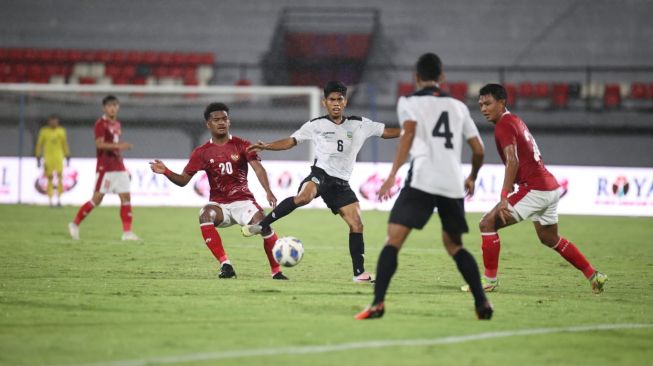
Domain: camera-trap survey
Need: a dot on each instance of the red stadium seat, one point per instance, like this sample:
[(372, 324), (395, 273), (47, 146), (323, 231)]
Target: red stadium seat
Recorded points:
[(542, 90), (31, 55), (526, 89), (134, 57), (405, 88), (46, 55), (357, 45), (86, 80), (560, 97), (150, 58), (243, 82), (53, 69), (118, 57), (180, 59), (650, 90), (4, 55), (207, 58), (105, 56), (511, 91), (74, 56), (166, 58), (458, 90), (19, 70), (16, 55), (89, 56), (612, 96), (299, 44), (638, 91)]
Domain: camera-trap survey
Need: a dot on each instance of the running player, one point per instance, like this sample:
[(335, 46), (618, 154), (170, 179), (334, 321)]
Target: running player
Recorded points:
[(225, 160), (434, 128)]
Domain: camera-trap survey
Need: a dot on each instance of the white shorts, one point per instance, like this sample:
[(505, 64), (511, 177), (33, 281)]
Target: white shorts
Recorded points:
[(112, 182), (239, 212), (540, 206)]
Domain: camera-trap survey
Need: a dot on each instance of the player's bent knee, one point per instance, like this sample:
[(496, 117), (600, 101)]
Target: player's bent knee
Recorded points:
[(302, 200)]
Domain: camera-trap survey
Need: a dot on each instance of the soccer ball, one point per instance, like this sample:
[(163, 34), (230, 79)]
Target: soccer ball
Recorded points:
[(288, 251)]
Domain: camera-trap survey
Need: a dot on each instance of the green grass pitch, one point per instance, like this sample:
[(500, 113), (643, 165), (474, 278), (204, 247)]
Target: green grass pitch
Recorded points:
[(101, 301)]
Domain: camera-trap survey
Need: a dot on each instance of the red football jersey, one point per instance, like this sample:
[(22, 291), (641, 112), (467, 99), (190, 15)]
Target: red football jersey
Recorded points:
[(531, 174), (108, 160), (226, 167)]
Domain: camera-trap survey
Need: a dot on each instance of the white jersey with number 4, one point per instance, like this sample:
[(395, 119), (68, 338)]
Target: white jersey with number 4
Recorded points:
[(336, 146), (443, 126)]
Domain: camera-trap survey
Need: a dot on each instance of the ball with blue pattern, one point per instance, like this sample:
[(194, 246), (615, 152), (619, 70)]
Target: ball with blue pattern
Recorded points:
[(288, 251)]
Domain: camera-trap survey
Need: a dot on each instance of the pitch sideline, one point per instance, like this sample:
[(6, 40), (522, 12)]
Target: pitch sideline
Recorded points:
[(362, 345)]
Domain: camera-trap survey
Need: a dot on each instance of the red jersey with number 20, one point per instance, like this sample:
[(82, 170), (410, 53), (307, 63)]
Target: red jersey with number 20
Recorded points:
[(226, 167), (531, 174), (108, 160)]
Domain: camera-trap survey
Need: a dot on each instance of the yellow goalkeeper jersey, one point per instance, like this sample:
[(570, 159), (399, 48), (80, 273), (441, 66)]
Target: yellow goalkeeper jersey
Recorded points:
[(52, 144)]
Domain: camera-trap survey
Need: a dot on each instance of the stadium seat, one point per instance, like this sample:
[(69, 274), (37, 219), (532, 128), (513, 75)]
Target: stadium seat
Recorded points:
[(560, 95), (89, 56), (458, 90), (16, 55), (46, 55), (405, 88), (104, 56), (299, 44), (357, 45), (542, 90), (118, 56), (638, 91), (525, 89), (134, 57), (150, 58), (511, 91), (612, 96)]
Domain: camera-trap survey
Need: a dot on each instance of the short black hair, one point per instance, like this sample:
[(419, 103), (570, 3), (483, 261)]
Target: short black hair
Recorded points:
[(215, 107), (495, 90), (335, 86), (109, 98), (429, 67)]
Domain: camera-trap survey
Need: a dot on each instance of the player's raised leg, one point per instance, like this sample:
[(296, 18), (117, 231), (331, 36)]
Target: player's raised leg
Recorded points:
[(306, 194), (210, 217), (548, 235), (352, 216)]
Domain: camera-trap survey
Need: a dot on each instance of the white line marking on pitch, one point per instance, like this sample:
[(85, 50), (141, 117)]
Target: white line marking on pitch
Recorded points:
[(362, 345)]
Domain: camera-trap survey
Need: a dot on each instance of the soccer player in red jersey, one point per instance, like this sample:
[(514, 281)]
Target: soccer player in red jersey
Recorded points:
[(111, 175), (224, 159), (536, 197)]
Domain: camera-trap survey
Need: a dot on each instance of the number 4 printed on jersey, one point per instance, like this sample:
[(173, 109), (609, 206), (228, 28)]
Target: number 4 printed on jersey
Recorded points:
[(443, 124)]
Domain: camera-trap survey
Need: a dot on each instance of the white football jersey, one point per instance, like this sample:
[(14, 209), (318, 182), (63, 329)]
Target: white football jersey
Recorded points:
[(443, 126), (336, 146)]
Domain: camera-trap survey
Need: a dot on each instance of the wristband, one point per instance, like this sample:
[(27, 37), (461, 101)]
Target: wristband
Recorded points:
[(167, 172), (504, 194)]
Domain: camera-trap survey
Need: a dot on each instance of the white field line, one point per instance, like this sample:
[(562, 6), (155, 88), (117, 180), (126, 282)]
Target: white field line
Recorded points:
[(300, 350)]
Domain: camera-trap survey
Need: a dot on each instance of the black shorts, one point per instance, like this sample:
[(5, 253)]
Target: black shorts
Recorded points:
[(335, 192), (413, 208)]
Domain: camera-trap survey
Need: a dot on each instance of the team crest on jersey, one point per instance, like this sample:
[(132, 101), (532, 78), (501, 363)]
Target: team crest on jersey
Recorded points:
[(350, 134), (234, 157)]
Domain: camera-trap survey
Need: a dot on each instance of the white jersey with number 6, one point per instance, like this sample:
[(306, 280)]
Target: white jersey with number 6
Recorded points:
[(336, 146), (443, 126)]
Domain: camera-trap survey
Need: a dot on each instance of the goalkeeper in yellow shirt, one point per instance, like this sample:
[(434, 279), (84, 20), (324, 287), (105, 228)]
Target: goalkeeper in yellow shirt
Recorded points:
[(52, 148)]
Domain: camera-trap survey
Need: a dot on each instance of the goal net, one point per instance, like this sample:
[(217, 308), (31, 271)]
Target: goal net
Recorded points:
[(162, 122)]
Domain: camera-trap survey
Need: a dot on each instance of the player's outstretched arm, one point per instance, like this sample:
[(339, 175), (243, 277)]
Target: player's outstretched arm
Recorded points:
[(391, 133), (262, 176), (478, 154), (158, 167), (283, 144), (403, 149)]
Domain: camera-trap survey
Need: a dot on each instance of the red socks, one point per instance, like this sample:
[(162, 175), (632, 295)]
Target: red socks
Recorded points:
[(491, 247), (126, 216), (571, 253), (83, 212), (268, 243), (213, 241)]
